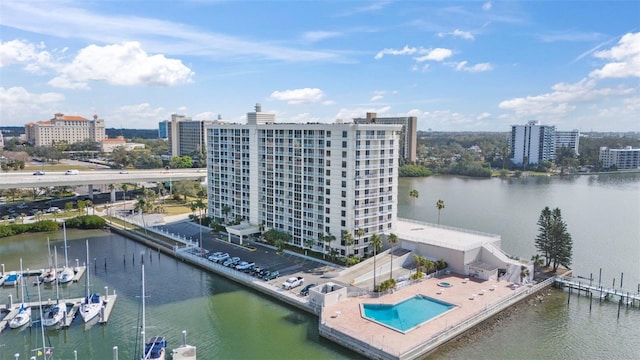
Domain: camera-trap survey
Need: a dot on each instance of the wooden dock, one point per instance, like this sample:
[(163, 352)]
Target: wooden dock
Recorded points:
[(12, 311), (604, 293)]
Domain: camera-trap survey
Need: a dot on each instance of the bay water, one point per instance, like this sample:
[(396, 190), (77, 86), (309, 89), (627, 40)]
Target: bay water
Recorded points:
[(228, 321)]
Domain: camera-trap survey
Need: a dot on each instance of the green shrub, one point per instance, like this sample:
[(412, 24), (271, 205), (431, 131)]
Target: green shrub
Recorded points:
[(16, 229), (86, 222), (386, 285)]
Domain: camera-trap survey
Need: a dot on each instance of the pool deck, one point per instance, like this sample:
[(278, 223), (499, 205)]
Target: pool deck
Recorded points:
[(344, 321)]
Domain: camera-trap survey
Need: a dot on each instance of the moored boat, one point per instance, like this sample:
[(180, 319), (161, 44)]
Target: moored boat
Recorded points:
[(184, 351), (67, 274), (92, 303), (12, 279), (24, 314), (155, 348)]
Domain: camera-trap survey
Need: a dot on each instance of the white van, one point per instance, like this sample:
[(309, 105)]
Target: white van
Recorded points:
[(71, 172)]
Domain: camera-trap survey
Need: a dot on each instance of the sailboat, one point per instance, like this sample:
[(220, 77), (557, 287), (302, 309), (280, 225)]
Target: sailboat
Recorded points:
[(92, 303), (45, 351), (24, 314), (67, 274), (54, 314), (155, 348), (48, 276)]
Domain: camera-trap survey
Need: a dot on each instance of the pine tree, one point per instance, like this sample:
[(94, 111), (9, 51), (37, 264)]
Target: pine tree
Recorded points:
[(543, 240)]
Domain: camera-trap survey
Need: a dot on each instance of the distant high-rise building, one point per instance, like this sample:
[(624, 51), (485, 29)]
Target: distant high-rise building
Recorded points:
[(1, 140), (162, 129), (622, 159), (186, 136), (311, 181), (568, 139), (65, 128), (532, 143), (408, 134)]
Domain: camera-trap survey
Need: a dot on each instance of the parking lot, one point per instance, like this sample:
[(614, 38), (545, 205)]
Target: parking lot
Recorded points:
[(264, 256)]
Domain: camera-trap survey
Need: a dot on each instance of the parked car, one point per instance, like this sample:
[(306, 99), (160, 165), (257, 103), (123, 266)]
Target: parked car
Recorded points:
[(245, 266), (305, 290), (231, 261), (220, 258), (214, 256), (272, 275), (38, 173), (71, 172), (292, 282), (124, 172), (52, 209)]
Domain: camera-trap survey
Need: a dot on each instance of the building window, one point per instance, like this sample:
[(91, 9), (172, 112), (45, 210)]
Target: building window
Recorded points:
[(344, 134), (344, 144)]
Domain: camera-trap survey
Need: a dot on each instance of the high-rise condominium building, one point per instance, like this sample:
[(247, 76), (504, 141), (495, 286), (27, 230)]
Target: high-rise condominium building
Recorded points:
[(532, 143), (622, 159), (408, 134), (186, 136), (568, 139), (65, 128), (312, 181)]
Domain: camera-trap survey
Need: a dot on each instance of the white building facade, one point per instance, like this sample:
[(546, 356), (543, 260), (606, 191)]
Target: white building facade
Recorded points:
[(622, 159), (309, 180), (532, 143), (568, 139)]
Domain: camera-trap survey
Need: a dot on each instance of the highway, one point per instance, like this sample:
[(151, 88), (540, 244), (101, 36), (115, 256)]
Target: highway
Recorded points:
[(94, 177)]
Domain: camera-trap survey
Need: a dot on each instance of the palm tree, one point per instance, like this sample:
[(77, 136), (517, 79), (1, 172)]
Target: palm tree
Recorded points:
[(348, 241), (225, 211), (393, 240), (414, 194), (328, 239), (418, 260), (124, 188), (359, 234), (376, 242), (538, 261), (439, 206)]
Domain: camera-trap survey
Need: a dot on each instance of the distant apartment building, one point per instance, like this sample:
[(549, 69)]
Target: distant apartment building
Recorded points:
[(65, 128), (532, 143), (622, 159), (162, 129), (186, 136), (108, 145), (408, 134), (1, 140), (312, 181), (568, 139)]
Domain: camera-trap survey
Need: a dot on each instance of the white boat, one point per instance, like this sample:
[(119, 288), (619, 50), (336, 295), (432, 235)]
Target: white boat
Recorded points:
[(12, 279), (24, 314), (155, 348), (49, 275), (184, 351), (53, 315), (67, 274), (92, 304)]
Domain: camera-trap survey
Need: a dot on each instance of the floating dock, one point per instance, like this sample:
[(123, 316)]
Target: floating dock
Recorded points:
[(11, 310), (604, 293)]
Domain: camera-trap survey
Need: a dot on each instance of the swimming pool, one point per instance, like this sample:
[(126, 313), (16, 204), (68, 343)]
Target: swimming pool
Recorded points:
[(407, 314)]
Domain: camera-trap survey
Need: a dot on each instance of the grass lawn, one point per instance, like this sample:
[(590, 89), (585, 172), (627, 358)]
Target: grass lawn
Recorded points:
[(31, 166), (173, 207)]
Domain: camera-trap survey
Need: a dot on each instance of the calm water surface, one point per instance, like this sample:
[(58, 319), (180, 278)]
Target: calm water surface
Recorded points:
[(227, 321)]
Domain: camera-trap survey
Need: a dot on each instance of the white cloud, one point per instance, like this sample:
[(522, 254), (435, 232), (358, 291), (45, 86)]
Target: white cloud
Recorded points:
[(159, 36), (462, 66), (458, 33), (483, 116), (207, 115), (18, 104), (124, 64), (487, 6), (299, 96), (625, 59), (437, 54), (313, 36), (328, 102), (562, 98), (378, 95), (390, 51), (18, 51)]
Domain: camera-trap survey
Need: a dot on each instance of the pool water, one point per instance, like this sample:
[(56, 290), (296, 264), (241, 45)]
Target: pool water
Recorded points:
[(407, 314)]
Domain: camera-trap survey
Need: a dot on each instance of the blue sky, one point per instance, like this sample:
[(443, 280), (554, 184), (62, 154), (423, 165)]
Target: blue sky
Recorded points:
[(457, 66)]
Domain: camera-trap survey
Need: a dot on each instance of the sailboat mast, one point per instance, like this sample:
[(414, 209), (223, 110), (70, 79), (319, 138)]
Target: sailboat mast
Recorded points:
[(21, 283), (144, 356), (64, 230), (87, 268), (55, 251)]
